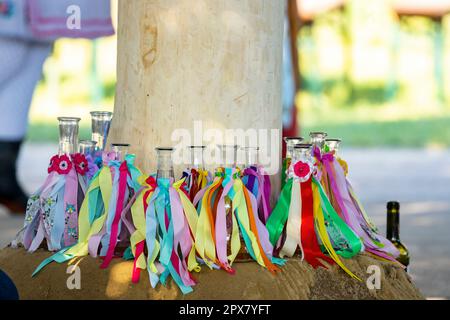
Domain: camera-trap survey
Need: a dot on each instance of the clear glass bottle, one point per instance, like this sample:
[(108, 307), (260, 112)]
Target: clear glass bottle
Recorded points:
[(318, 139), (120, 149), (302, 152), (228, 155), (251, 156), (197, 157), (332, 145), (164, 163), (68, 135), (87, 147), (241, 158), (290, 143), (101, 122)]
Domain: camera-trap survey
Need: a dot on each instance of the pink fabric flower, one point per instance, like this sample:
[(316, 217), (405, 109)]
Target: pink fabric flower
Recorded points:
[(64, 165), (81, 164), (301, 169)]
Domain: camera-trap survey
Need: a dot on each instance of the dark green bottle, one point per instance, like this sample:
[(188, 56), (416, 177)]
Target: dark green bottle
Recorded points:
[(393, 231)]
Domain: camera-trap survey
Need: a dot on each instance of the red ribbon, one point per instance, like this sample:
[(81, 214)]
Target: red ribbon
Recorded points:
[(194, 184), (310, 245), (120, 205)]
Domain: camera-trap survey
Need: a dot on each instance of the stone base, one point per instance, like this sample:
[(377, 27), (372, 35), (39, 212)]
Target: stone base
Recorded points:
[(297, 280)]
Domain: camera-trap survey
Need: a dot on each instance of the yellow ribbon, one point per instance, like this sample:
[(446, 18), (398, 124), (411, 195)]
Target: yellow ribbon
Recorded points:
[(240, 205), (86, 230), (204, 241)]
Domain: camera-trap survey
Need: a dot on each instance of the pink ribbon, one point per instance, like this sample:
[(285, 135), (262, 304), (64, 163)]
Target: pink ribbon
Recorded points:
[(71, 208), (120, 205)]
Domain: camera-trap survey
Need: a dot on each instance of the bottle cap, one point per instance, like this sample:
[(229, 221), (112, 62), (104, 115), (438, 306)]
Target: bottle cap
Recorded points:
[(393, 205)]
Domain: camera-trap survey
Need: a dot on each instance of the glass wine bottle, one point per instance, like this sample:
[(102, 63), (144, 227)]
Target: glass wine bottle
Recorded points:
[(393, 231), (68, 135), (101, 122)]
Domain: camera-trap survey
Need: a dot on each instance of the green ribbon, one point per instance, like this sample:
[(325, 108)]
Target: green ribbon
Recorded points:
[(283, 172), (345, 242), (277, 220)]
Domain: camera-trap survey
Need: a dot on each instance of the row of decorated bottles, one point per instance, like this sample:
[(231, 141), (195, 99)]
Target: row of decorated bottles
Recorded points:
[(324, 150), (170, 227), (52, 211)]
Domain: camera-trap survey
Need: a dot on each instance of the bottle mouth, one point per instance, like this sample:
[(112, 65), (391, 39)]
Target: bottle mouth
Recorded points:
[(318, 134), (69, 119), (293, 138), (120, 145), (333, 140), (303, 146), (196, 147), (101, 113), (393, 205), (164, 149), (88, 142)]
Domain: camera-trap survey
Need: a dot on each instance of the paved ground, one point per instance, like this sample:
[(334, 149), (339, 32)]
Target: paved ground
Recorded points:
[(419, 179)]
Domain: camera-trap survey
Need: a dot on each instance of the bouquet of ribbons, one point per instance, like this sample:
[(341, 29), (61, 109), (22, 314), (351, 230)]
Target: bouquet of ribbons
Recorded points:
[(258, 183), (228, 211), (102, 216), (304, 220), (194, 180), (52, 211), (164, 222), (332, 171)]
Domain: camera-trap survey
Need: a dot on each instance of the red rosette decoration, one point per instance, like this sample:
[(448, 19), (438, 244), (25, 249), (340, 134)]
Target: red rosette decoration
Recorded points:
[(54, 164), (64, 165), (302, 169), (81, 163)]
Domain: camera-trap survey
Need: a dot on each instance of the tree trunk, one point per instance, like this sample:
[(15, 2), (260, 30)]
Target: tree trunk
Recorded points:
[(217, 61)]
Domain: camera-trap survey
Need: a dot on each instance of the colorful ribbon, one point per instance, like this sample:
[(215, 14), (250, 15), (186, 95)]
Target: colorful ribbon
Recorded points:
[(258, 182), (99, 220), (52, 211), (350, 209)]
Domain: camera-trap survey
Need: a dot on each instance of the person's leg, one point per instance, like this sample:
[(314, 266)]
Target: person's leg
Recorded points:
[(16, 92)]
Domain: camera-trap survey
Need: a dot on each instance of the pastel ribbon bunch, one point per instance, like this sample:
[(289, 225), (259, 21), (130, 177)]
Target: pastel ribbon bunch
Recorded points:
[(215, 222), (195, 180), (257, 181), (304, 220), (102, 213), (333, 177), (52, 211), (165, 221)]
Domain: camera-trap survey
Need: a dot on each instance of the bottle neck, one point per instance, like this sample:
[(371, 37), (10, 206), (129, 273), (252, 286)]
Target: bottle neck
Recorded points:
[(393, 224), (68, 135), (101, 122), (165, 164), (197, 158)]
